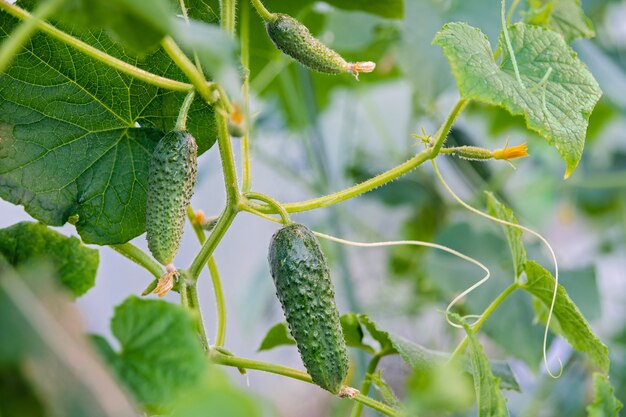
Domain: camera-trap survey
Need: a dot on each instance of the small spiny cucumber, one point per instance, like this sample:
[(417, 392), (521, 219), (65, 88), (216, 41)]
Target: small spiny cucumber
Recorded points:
[(295, 40), (304, 288), (172, 177)]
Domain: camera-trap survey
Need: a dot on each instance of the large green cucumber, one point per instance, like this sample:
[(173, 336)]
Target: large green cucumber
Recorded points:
[(306, 293), (172, 177), (295, 40)]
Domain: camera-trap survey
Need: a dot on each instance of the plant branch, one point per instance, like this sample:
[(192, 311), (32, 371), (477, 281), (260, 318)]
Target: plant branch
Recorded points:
[(381, 179), (271, 202), (139, 257), (265, 14), (244, 36), (367, 382), (222, 225), (97, 54), (236, 362), (181, 121), (220, 305), (228, 160), (189, 299), (24, 31), (227, 15), (204, 87), (483, 318)]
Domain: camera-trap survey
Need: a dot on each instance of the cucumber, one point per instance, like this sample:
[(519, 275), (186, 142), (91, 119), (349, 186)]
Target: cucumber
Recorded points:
[(295, 40), (304, 288), (172, 177)]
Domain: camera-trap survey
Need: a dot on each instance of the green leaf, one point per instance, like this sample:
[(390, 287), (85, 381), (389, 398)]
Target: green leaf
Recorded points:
[(278, 335), (139, 25), (566, 17), (557, 106), (491, 402), (385, 390), (422, 359), (392, 9), (160, 354), (604, 403), (204, 10), (69, 135), (353, 332), (75, 264), (381, 336), (513, 235), (572, 324)]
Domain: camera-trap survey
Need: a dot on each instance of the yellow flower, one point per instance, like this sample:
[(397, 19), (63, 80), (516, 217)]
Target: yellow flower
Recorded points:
[(518, 151)]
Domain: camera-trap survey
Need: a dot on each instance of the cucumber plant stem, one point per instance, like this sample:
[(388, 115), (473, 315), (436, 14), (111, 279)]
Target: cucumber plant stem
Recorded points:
[(220, 305), (205, 88), (244, 36), (218, 232), (381, 179), (483, 318), (227, 15), (139, 257), (97, 54), (181, 121), (189, 299), (228, 160), (272, 202), (236, 362), (366, 384), (265, 14)]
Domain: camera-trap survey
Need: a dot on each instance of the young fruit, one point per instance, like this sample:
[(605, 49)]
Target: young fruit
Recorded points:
[(306, 293), (295, 40), (172, 177)]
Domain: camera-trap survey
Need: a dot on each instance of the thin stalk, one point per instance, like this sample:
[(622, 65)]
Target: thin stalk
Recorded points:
[(483, 318), (204, 87), (224, 222), (181, 121), (183, 9), (271, 202), (383, 178), (139, 257), (97, 54), (244, 36), (236, 362), (366, 384), (227, 15), (250, 209), (220, 305), (444, 130), (228, 160), (25, 31), (265, 14), (189, 299), (232, 198)]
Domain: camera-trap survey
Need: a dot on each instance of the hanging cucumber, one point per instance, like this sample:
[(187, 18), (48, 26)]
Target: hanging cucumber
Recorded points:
[(172, 177), (306, 293), (295, 40)]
